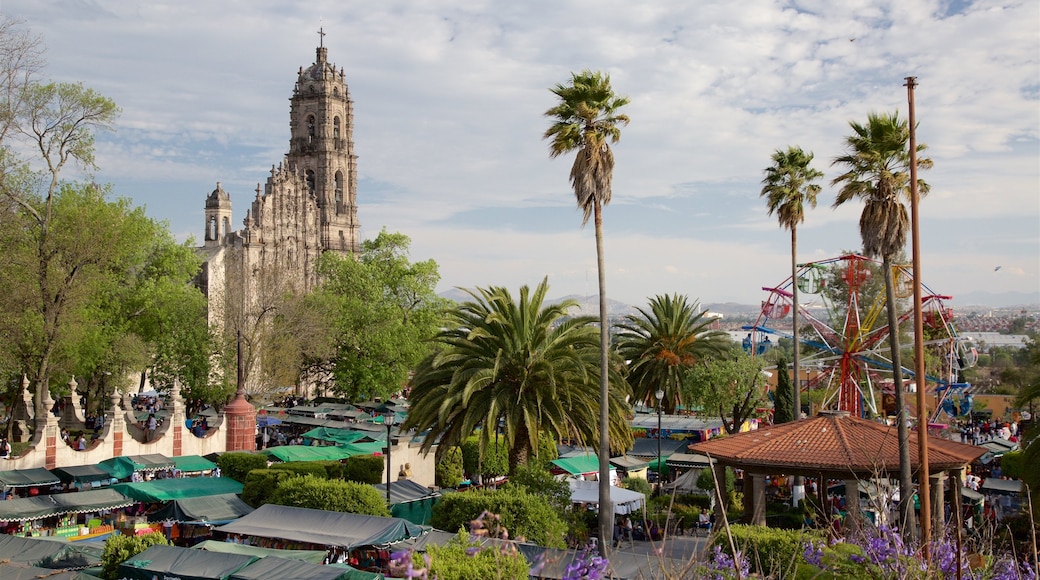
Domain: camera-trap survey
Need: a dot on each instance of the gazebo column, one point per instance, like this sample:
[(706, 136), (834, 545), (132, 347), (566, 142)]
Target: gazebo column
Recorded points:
[(719, 471), (937, 493), (853, 513), (755, 502)]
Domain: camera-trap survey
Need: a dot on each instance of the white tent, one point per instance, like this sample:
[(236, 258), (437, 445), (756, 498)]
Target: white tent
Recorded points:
[(623, 500)]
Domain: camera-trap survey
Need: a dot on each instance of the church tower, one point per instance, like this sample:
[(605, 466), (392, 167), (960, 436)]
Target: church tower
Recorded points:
[(321, 148), (218, 217)]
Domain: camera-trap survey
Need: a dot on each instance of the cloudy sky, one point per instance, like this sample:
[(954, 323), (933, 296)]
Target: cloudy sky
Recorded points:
[(449, 101)]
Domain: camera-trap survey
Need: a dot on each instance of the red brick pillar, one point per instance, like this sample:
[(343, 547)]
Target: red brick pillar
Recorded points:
[(240, 417)]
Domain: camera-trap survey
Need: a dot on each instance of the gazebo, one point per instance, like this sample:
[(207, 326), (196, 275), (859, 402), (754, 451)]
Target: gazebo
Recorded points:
[(831, 445)]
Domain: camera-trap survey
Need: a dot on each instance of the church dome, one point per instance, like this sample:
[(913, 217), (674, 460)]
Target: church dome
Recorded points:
[(218, 198)]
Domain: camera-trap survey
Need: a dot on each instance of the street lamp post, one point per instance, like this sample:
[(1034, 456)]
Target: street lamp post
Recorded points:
[(660, 471), (388, 420)]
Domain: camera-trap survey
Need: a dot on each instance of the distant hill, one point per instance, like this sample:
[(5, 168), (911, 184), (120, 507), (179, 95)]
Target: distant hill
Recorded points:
[(988, 300)]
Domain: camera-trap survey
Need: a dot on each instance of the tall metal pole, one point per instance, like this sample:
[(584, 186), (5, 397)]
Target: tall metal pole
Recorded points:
[(924, 485), (389, 420), (660, 470)]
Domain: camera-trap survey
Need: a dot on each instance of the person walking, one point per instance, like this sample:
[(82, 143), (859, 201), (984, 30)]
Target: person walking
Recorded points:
[(150, 428)]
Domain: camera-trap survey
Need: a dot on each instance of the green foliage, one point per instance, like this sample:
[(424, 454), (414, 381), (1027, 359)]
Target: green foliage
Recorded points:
[(316, 468), (540, 482), (662, 344), (523, 514), (1013, 464), (119, 549), (237, 464), (783, 401), (463, 558), (260, 485), (706, 480), (638, 484), (384, 309), (449, 472), (770, 550), (307, 491), (515, 369), (364, 469), (730, 388), (495, 460)]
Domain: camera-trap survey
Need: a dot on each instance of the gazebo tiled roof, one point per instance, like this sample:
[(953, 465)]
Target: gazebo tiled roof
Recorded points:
[(832, 442)]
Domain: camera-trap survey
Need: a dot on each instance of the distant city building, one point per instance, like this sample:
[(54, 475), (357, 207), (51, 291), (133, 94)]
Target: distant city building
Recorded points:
[(307, 206)]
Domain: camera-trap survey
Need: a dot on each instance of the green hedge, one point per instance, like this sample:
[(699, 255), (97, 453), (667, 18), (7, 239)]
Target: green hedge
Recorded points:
[(315, 468), (363, 469), (523, 514), (770, 551), (464, 559), (237, 465), (260, 484), (307, 491)]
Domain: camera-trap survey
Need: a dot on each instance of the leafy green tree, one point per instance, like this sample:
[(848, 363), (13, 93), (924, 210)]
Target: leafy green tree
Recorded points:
[(119, 549), (449, 471), (877, 171), (465, 558), (261, 484), (662, 344), (383, 310), (525, 515), (540, 482), (788, 188), (731, 388), (515, 370), (784, 409), (307, 491), (586, 120), (238, 464), (488, 459)]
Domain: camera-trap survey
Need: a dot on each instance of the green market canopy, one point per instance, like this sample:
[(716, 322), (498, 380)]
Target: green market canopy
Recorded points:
[(124, 467), (306, 453), (178, 488), (182, 563), (28, 478), (578, 464), (42, 506), (84, 475), (49, 553), (323, 528), (211, 509), (22, 572), (193, 464), (369, 448), (312, 556), (339, 436), (275, 568), (410, 501)]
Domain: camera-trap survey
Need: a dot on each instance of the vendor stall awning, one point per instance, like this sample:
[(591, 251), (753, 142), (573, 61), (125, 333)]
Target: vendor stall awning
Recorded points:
[(193, 464), (307, 453), (83, 474), (124, 467), (28, 478), (42, 506), (629, 463), (688, 460), (22, 572), (322, 527), (312, 556), (340, 436), (212, 509), (578, 464), (369, 448), (275, 568), (47, 553), (178, 488), (624, 500), (183, 563), (1001, 486), (410, 501)]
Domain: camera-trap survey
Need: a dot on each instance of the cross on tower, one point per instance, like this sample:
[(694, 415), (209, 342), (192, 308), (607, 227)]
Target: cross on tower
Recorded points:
[(321, 37)]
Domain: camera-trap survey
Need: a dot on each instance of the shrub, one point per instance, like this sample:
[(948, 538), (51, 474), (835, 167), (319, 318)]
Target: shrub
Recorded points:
[(769, 550), (638, 484), (449, 467), (523, 514), (237, 465), (315, 468), (260, 484), (364, 469), (540, 482), (495, 461), (307, 491), (119, 549), (463, 559)]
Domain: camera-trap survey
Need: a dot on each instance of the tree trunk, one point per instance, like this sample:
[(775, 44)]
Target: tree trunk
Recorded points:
[(798, 485), (606, 525), (906, 499)]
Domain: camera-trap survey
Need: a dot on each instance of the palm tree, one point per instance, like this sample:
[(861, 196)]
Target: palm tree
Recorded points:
[(514, 369), (661, 346), (877, 164), (587, 120), (788, 187)]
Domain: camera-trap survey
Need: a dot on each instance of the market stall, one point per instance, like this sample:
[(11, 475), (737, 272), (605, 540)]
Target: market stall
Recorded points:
[(124, 467), (84, 476), (49, 554), (410, 501), (182, 563), (160, 490), (65, 514), (275, 568)]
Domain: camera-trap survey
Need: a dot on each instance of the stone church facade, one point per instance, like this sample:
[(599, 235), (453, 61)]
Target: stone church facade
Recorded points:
[(307, 206)]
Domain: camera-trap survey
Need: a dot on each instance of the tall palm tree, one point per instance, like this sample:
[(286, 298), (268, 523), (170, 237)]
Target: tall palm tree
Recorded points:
[(662, 345), (514, 369), (788, 187), (877, 171), (586, 120)]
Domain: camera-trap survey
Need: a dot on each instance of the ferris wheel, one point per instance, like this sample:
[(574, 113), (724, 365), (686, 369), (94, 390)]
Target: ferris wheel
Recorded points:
[(844, 331)]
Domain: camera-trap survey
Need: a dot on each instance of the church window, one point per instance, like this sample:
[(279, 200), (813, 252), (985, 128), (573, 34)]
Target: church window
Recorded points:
[(339, 190), (310, 181), (211, 228), (335, 127), (310, 125), (227, 225)]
